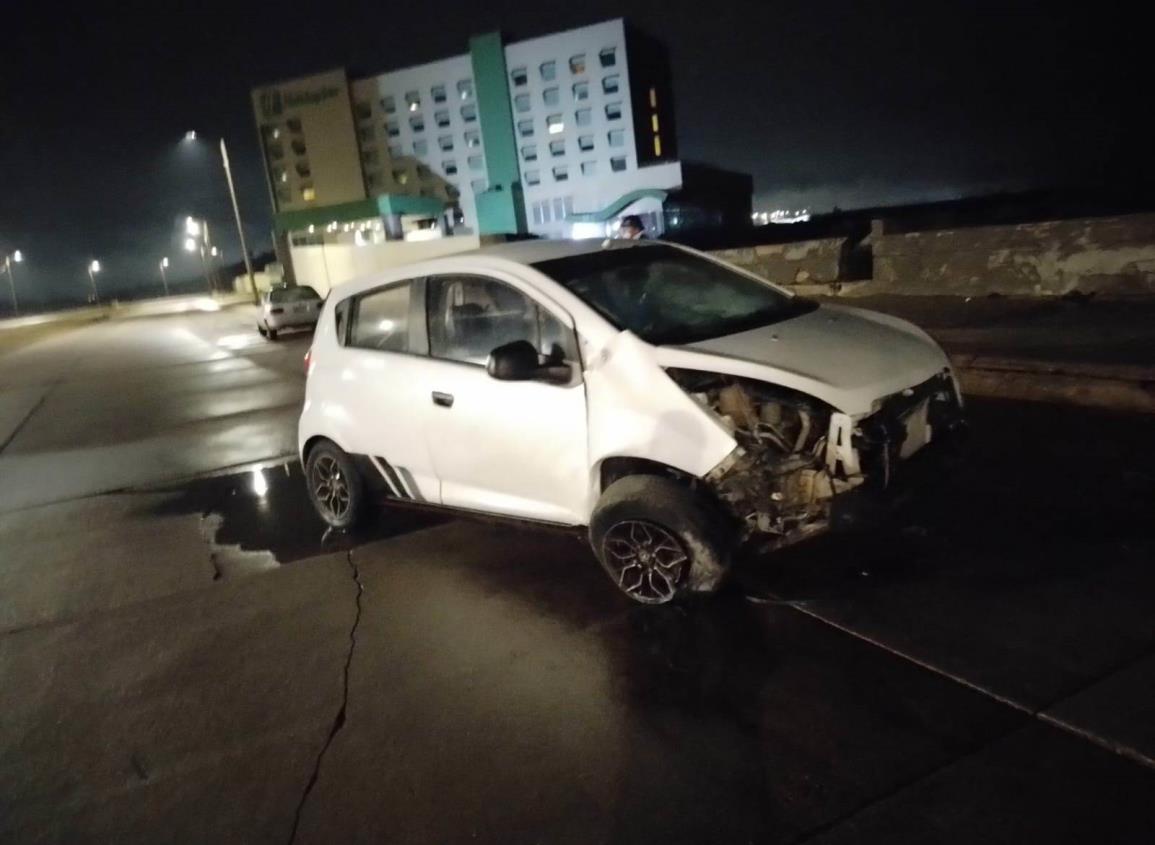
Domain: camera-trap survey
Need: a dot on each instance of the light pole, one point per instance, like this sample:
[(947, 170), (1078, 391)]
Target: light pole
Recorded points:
[(15, 258), (163, 276), (191, 136), (93, 269)]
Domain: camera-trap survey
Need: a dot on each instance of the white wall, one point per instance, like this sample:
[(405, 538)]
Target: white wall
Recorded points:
[(323, 267)]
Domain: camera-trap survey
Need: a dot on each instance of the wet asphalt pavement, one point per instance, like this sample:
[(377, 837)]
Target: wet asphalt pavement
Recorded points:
[(195, 659)]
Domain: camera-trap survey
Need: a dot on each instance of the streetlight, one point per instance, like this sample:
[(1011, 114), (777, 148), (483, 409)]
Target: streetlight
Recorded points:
[(198, 238), (16, 257), (93, 269), (191, 136), (163, 277)]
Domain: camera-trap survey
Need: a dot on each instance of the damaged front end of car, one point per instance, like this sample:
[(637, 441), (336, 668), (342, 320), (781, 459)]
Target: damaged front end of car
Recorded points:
[(800, 464)]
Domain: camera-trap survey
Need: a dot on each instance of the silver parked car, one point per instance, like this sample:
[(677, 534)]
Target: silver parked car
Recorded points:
[(288, 308)]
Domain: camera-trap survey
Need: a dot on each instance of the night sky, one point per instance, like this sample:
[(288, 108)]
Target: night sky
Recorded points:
[(826, 103)]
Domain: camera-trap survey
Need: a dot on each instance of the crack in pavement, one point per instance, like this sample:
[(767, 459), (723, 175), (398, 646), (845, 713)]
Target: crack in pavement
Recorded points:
[(339, 718), (23, 422)]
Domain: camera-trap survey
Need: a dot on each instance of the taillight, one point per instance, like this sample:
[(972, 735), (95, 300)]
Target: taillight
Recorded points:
[(308, 359)]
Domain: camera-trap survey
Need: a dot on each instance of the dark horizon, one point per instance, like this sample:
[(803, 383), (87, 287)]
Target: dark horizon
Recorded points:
[(831, 105)]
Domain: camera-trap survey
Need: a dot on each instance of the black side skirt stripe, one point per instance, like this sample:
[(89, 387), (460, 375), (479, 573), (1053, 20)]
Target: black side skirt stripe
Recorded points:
[(390, 476)]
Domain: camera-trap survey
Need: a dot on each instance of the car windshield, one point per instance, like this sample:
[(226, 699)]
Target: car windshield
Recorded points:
[(301, 293), (666, 295)]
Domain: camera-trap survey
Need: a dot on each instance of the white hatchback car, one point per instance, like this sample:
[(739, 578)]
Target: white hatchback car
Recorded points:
[(669, 403), (287, 308)]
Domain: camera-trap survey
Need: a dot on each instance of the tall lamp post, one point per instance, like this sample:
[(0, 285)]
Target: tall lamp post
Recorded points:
[(93, 269), (192, 136), (164, 276), (15, 258)]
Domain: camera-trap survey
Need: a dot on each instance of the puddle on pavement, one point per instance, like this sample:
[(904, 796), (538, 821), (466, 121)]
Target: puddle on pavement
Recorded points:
[(260, 518)]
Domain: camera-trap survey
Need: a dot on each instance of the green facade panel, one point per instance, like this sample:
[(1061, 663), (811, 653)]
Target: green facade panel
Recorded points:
[(379, 206), (500, 209)]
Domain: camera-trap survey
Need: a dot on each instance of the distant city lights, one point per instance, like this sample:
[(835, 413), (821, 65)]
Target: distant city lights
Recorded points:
[(780, 215)]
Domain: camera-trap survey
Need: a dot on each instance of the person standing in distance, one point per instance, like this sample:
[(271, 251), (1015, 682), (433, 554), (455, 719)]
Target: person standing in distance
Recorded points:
[(631, 228)]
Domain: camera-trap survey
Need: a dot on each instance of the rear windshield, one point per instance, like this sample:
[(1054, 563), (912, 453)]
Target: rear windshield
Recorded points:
[(667, 295), (297, 294)]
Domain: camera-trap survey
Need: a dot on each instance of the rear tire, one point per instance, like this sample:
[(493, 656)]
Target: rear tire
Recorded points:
[(659, 540), (335, 487)]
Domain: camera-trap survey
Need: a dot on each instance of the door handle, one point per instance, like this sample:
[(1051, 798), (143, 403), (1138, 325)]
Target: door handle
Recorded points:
[(445, 400)]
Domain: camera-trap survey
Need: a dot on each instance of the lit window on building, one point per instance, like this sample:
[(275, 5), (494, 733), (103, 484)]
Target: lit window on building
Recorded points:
[(280, 174), (555, 124), (465, 89), (549, 70), (299, 147), (519, 76), (581, 91), (392, 129), (472, 138), (445, 142), (478, 185), (532, 177), (308, 193), (294, 124), (469, 112), (413, 100), (611, 84), (577, 64), (476, 163), (616, 137), (529, 152), (364, 111), (654, 122), (521, 102), (389, 104), (551, 96), (441, 117), (613, 111), (449, 166), (589, 168), (585, 143), (420, 147), (608, 57), (618, 164), (657, 146), (525, 128), (653, 98), (401, 176), (583, 117), (560, 173), (557, 148), (417, 122), (438, 93)]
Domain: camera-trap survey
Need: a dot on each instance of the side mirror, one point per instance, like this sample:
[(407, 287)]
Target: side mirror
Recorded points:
[(520, 361)]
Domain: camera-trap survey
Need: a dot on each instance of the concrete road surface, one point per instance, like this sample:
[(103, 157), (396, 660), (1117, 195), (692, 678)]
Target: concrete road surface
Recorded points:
[(186, 656)]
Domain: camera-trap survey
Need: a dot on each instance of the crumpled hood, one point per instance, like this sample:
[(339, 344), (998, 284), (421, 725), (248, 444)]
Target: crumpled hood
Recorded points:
[(845, 356)]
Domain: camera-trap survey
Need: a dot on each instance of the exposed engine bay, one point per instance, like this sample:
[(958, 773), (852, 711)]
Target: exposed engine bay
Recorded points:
[(796, 454)]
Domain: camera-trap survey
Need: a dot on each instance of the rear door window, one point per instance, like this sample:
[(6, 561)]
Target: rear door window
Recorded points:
[(380, 319)]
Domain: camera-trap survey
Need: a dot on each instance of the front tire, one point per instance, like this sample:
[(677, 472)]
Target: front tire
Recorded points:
[(271, 334), (659, 540), (335, 487)]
